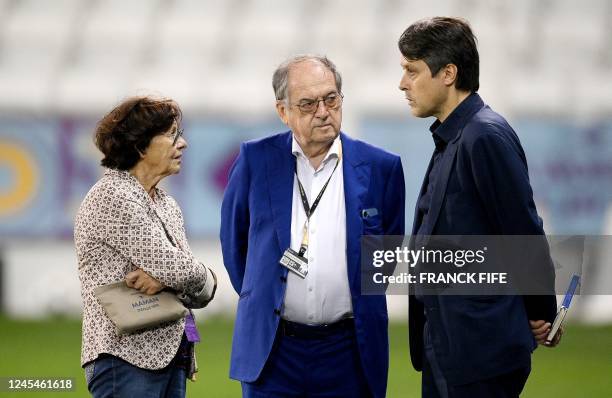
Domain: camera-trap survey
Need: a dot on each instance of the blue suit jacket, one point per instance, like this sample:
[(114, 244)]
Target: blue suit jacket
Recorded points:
[(256, 230), (483, 189)]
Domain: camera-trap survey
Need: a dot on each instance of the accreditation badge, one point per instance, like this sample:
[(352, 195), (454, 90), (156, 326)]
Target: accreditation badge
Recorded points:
[(295, 263)]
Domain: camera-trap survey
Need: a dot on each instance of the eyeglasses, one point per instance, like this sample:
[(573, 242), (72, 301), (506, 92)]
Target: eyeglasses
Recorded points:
[(178, 134), (332, 101)]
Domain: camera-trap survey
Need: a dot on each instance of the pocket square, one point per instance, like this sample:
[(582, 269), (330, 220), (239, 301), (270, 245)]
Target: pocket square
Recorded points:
[(367, 213)]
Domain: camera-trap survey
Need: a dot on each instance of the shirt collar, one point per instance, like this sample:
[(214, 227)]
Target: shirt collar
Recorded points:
[(334, 150), (445, 132), (125, 175), (122, 175)]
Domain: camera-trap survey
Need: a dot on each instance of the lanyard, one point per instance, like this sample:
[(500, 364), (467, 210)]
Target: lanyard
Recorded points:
[(307, 208)]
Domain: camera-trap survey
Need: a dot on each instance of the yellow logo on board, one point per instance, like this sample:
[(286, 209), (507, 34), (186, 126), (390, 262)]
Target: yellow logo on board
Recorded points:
[(25, 171)]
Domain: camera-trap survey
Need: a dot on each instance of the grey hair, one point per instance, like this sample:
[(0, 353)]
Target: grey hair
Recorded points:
[(281, 74)]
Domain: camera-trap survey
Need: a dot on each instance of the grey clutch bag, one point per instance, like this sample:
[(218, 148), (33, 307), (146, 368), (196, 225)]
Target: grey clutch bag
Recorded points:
[(131, 310)]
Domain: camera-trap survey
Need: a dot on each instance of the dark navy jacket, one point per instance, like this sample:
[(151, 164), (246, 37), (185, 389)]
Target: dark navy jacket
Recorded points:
[(481, 188), (256, 230)]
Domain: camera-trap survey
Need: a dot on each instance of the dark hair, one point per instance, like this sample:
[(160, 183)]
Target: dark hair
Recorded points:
[(126, 131), (280, 78), (440, 41)]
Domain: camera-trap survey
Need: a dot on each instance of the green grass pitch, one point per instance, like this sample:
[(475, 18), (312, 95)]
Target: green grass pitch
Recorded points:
[(580, 367)]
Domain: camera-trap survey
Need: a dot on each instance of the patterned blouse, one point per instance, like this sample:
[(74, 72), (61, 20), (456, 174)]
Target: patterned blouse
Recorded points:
[(120, 227)]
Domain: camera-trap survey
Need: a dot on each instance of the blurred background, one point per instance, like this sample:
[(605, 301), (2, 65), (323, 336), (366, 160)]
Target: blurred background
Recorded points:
[(546, 65)]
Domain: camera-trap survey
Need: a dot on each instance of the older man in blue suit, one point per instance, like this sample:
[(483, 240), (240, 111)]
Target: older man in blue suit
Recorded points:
[(476, 184), (295, 208)]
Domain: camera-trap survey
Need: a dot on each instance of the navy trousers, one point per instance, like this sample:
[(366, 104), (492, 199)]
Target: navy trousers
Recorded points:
[(325, 367)]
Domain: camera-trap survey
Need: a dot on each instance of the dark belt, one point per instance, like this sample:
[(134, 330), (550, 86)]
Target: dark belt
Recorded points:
[(313, 332)]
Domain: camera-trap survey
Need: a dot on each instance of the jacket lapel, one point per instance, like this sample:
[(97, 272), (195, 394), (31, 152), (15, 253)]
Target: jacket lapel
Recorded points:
[(439, 192), (356, 173), (280, 166), (417, 219), (473, 105)]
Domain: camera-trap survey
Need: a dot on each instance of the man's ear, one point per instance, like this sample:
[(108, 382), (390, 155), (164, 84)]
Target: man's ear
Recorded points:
[(449, 74), (281, 109)]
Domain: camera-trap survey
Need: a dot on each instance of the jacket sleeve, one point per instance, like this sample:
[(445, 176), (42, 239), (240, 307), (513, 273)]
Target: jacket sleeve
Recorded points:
[(500, 172), (207, 294), (131, 231), (234, 232)]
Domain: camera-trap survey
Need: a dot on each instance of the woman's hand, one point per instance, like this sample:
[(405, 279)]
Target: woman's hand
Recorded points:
[(144, 282)]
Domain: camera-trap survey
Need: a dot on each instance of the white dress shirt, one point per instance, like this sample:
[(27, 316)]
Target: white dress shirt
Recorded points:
[(324, 296)]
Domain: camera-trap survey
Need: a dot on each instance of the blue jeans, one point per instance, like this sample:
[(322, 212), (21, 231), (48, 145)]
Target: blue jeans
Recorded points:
[(112, 377)]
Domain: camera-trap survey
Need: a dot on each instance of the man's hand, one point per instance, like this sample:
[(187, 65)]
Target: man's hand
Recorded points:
[(540, 330), (142, 281)]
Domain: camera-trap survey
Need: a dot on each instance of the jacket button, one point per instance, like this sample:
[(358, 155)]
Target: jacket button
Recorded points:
[(276, 311), (283, 279)]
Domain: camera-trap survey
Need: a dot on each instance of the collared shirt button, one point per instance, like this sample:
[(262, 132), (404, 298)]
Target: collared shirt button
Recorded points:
[(310, 317), (310, 289)]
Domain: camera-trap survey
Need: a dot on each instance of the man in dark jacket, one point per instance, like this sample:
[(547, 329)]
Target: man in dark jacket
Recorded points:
[(476, 184)]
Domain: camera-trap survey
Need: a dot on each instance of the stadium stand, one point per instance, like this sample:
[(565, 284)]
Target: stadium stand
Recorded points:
[(79, 56)]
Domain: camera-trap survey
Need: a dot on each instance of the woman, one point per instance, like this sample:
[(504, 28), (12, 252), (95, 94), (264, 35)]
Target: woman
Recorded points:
[(128, 229)]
